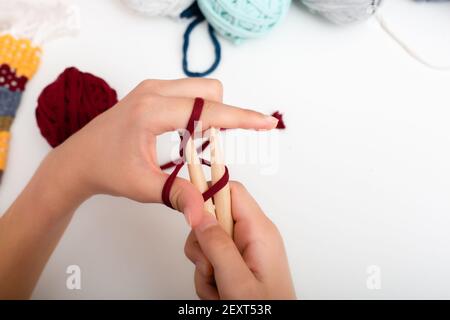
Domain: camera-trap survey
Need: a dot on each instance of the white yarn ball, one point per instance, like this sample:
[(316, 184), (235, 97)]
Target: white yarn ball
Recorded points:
[(171, 8), (343, 11)]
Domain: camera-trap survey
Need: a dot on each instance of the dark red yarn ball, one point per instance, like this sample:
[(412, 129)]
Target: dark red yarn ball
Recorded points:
[(68, 104)]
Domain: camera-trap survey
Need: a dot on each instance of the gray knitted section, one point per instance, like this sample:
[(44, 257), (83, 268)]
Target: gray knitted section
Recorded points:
[(343, 11), (9, 102)]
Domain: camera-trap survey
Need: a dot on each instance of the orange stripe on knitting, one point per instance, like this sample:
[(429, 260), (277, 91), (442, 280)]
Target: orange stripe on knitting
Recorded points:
[(4, 141), (5, 123), (19, 54)]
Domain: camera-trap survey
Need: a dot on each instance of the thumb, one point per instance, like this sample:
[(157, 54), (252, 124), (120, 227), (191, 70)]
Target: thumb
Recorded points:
[(229, 266), (185, 198)]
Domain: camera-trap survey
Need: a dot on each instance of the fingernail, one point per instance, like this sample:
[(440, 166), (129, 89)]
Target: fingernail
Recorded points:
[(207, 221), (271, 120)]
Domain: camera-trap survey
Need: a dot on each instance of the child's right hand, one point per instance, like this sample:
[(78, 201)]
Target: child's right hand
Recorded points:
[(254, 266)]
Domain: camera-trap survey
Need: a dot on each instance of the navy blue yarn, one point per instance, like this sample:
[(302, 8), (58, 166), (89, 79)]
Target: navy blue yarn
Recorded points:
[(194, 11)]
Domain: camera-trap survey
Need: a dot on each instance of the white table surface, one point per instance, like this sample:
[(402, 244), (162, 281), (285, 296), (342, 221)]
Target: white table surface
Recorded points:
[(362, 174)]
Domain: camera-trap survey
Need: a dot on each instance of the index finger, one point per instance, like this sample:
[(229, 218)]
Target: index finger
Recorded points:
[(174, 112)]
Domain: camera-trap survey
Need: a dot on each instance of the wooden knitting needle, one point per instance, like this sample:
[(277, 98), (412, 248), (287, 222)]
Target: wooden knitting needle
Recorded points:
[(196, 173), (222, 199)]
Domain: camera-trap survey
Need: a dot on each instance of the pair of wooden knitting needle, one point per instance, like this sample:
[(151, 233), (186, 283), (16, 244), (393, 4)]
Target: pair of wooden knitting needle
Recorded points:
[(220, 205)]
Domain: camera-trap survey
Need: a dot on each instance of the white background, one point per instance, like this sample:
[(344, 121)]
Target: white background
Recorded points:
[(364, 166)]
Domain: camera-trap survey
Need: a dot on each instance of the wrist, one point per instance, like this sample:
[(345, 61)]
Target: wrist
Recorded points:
[(57, 186)]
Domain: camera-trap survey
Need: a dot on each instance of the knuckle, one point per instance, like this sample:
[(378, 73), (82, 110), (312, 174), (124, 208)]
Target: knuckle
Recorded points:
[(208, 107), (271, 228), (143, 104), (218, 239), (225, 246), (135, 114), (190, 247), (216, 88), (238, 186), (175, 198), (148, 84), (148, 99)]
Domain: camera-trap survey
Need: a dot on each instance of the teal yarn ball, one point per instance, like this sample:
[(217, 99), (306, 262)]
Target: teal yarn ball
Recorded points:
[(238, 20)]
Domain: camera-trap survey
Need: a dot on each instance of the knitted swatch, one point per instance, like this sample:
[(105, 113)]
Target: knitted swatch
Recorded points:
[(19, 60)]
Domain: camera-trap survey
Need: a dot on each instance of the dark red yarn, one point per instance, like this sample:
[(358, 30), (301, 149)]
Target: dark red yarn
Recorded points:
[(10, 80), (75, 98), (204, 145), (178, 164), (279, 116), (190, 128), (68, 104)]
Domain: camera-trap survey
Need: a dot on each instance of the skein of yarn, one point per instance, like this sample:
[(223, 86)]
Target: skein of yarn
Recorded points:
[(170, 8), (68, 104), (238, 20), (343, 11)]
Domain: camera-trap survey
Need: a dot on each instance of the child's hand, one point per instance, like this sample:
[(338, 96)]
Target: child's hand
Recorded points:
[(116, 152), (254, 266)]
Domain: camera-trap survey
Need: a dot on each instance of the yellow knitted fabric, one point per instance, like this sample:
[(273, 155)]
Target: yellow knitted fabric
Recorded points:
[(4, 138), (19, 54)]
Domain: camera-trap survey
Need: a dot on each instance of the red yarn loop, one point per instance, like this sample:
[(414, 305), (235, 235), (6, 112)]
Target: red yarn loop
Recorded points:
[(75, 98), (179, 163), (204, 145), (68, 104), (190, 128)]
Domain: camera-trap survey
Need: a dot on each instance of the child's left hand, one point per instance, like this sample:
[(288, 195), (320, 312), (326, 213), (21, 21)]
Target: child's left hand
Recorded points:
[(116, 152)]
